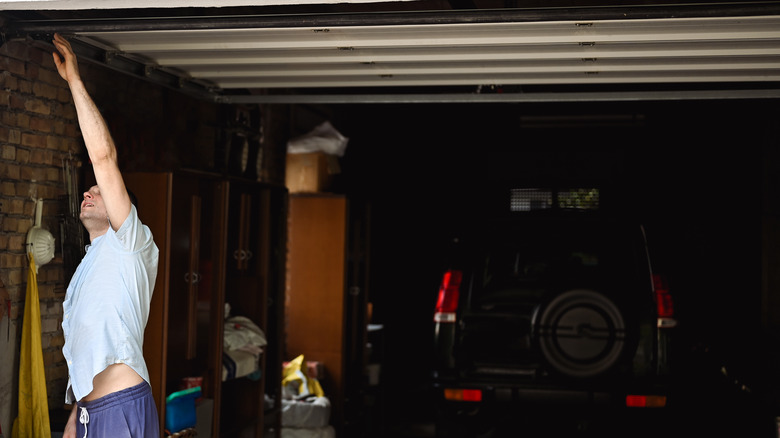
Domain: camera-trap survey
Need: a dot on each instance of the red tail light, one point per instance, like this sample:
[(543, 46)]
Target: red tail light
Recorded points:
[(663, 301), (449, 291), (471, 395), (645, 401)]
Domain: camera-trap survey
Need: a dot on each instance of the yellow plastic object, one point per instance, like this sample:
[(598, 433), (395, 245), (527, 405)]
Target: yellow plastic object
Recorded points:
[(302, 385), (33, 419)]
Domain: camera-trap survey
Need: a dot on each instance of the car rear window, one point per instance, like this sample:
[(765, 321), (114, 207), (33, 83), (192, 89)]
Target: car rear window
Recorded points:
[(524, 263)]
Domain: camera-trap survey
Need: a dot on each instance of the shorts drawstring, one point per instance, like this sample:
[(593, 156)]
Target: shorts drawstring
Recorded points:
[(84, 419)]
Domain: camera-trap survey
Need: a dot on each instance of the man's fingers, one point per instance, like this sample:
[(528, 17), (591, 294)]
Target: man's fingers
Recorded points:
[(58, 58), (64, 54), (64, 58), (58, 46), (62, 44)]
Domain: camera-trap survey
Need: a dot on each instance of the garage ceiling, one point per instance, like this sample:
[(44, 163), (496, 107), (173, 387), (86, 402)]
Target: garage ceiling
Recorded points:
[(695, 51)]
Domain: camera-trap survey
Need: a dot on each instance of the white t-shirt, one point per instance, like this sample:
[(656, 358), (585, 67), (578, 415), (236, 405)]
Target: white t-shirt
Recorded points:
[(107, 305)]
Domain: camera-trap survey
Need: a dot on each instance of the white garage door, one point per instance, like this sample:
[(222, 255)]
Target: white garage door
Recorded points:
[(597, 53)]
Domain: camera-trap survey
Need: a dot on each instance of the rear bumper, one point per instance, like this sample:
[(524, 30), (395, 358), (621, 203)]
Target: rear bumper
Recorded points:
[(613, 395), (468, 420)]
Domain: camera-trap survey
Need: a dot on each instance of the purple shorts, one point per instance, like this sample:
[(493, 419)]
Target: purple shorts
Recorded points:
[(129, 413)]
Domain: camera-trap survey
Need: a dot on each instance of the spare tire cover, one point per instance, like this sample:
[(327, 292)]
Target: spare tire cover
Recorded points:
[(581, 333)]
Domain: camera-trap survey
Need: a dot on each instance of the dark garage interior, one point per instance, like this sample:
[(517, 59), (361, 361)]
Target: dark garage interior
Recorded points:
[(697, 168), (674, 165)]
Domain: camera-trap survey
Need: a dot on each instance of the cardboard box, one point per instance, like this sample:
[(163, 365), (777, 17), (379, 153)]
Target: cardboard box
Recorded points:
[(310, 172)]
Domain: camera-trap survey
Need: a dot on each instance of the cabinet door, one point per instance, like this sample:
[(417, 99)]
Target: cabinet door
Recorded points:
[(254, 288), (185, 280), (196, 285), (316, 290), (246, 293)]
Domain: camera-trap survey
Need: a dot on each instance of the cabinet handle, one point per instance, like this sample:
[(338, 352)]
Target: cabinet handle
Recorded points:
[(193, 277), (241, 254)]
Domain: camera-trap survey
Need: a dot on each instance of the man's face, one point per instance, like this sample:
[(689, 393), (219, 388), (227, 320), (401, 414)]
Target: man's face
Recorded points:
[(93, 210)]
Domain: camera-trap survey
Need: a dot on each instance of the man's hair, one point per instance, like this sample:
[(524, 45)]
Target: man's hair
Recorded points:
[(133, 198)]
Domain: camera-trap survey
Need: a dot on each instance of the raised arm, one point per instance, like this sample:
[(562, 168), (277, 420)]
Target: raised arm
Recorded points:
[(100, 145)]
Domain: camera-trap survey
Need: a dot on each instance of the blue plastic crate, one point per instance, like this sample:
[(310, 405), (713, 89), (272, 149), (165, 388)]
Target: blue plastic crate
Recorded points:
[(180, 409)]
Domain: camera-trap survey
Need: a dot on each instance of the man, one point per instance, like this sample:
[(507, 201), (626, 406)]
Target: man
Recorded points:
[(107, 302)]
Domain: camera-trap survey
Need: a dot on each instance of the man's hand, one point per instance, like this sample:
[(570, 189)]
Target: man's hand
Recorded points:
[(70, 426), (68, 67)]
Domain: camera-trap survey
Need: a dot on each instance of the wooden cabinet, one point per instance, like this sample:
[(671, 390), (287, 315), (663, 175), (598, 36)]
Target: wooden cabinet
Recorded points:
[(220, 242), (315, 300), (325, 304)]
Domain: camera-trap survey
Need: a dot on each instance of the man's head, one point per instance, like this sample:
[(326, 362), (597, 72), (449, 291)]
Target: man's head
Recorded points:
[(93, 213)]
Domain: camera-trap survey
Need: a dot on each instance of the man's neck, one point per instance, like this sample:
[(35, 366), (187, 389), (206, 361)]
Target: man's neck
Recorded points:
[(96, 233)]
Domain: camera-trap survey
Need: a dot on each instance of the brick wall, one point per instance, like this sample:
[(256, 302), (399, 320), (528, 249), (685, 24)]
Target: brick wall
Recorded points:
[(37, 132)]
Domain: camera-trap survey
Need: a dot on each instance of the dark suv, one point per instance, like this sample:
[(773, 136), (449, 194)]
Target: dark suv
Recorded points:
[(549, 317)]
